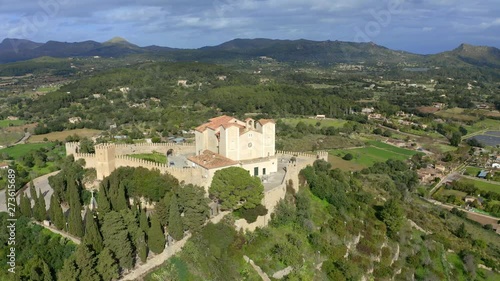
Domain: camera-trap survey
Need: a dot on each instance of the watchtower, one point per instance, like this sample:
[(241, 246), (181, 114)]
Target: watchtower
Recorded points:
[(105, 156)]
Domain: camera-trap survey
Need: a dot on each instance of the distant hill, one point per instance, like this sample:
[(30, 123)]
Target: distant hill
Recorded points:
[(302, 51)]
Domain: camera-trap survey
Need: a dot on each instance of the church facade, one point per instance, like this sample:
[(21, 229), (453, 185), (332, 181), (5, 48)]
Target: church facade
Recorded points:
[(225, 141)]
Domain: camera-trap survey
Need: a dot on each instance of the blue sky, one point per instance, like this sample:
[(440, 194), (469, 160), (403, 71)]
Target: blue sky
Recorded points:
[(420, 26)]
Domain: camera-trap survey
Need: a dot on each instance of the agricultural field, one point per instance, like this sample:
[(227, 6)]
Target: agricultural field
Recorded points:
[(47, 89), (8, 138), (483, 125), (337, 123), (21, 149), (367, 156), (485, 185), (472, 171), (10, 123), (458, 114), (60, 136), (315, 142)]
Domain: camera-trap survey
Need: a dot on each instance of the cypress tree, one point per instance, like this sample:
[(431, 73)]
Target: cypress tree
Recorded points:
[(56, 212), (156, 237), (92, 235), (47, 274), (107, 266), (33, 195), (75, 216), (195, 206), (162, 209), (118, 199), (142, 247), (25, 206), (69, 271), (86, 260), (116, 237), (131, 224), (175, 228), (143, 221), (40, 207), (103, 204)]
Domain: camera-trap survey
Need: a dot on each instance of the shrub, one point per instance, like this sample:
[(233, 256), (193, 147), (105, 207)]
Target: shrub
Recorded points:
[(348, 157), (250, 215)]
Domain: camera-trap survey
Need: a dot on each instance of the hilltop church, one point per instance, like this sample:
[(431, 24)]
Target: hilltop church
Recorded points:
[(226, 141)]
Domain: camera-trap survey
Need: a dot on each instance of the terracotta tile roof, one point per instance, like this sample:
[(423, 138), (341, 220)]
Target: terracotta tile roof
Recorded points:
[(216, 123), (211, 160), (265, 121)]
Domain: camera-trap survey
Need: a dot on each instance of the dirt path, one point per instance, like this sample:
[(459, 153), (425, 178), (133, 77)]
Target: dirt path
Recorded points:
[(169, 251), (257, 268), (63, 234), (480, 218)]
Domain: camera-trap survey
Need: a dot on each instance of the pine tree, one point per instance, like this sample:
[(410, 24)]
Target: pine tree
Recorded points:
[(142, 247), (40, 207), (175, 228), (116, 237), (86, 260), (69, 271), (156, 237), (92, 235), (103, 204), (25, 206), (143, 220), (107, 266), (56, 212)]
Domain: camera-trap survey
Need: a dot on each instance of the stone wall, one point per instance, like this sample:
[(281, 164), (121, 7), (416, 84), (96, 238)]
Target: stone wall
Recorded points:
[(143, 148), (273, 196), (187, 175), (90, 159)]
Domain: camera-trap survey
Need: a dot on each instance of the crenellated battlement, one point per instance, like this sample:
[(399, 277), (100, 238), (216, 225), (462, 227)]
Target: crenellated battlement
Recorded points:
[(84, 155), (160, 144), (104, 145), (321, 154)]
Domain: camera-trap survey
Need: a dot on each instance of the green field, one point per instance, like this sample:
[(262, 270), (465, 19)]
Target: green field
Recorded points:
[(21, 149), (392, 148), (7, 123), (485, 185), (337, 123), (472, 171), (8, 138), (375, 152), (154, 157)]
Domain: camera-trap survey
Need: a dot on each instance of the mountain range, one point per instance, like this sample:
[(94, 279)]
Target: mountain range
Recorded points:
[(321, 52)]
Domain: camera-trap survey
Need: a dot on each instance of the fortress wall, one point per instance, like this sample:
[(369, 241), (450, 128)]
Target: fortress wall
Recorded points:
[(188, 175), (127, 161), (319, 155), (90, 159), (139, 148), (272, 197), (71, 148)]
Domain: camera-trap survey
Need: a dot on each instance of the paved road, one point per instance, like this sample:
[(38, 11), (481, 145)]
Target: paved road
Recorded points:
[(41, 183), (27, 135)]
